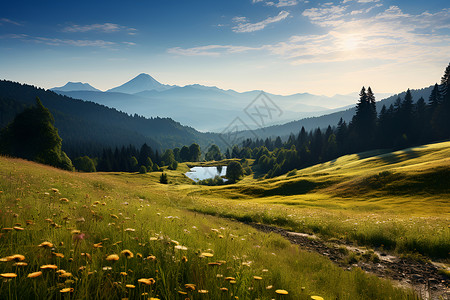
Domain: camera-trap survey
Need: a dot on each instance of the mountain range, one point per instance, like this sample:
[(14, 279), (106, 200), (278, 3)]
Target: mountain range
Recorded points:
[(202, 107), (87, 128), (293, 127)]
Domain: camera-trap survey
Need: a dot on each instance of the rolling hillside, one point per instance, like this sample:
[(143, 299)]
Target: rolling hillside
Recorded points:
[(87, 127)]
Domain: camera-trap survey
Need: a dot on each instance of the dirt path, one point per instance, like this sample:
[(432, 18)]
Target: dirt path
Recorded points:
[(421, 276)]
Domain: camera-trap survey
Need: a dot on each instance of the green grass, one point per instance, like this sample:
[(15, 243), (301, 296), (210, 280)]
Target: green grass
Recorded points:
[(135, 212), (398, 201)]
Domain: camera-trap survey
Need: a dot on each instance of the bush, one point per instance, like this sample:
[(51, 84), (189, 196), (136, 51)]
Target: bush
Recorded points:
[(142, 170), (84, 164), (173, 165), (234, 171), (163, 178)]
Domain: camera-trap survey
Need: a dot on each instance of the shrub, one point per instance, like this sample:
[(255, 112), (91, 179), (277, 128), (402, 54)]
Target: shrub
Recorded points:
[(142, 170), (163, 178)]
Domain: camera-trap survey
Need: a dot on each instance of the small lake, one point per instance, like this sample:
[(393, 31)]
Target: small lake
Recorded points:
[(202, 173)]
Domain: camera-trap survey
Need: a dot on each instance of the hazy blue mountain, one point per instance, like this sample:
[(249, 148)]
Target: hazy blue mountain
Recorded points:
[(140, 83), (88, 126), (203, 107), (332, 119), (75, 86)]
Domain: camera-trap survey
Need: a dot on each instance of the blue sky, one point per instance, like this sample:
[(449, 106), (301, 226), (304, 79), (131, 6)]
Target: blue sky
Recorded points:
[(281, 46)]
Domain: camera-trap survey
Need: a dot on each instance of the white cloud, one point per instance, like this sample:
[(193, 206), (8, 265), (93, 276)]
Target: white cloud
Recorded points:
[(390, 35), (362, 1), (210, 50), (60, 42), (244, 26), (282, 3), (9, 21), (105, 28)]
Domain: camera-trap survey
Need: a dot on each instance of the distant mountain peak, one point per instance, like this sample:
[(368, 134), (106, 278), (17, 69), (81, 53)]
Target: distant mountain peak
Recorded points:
[(75, 86), (140, 83)]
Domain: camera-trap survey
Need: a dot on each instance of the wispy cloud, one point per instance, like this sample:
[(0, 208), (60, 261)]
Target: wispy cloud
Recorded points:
[(61, 42), (389, 35), (210, 50), (104, 28), (282, 3), (279, 3), (361, 1), (9, 21), (244, 26)]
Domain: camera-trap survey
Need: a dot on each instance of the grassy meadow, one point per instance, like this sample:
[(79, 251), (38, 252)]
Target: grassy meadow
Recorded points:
[(67, 235), (397, 201)]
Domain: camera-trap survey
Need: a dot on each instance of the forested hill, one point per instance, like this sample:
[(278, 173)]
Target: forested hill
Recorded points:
[(87, 127), (330, 119)]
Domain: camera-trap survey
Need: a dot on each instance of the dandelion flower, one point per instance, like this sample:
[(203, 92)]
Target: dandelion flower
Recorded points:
[(206, 254), (190, 286), (16, 257), (152, 257), (224, 289), (64, 200), (130, 230), (107, 268), (60, 255), (182, 293), (230, 278), (49, 267), (203, 291), (20, 264), (17, 228), (130, 286), (34, 274), (127, 253), (54, 190), (67, 290), (281, 292), (99, 245), (184, 259), (112, 257), (8, 275), (316, 298), (269, 287), (46, 245), (123, 273), (257, 277), (180, 247), (147, 281), (65, 275)]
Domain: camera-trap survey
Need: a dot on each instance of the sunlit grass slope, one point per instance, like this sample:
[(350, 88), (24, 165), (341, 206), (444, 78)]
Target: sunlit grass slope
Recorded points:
[(113, 236), (397, 200)]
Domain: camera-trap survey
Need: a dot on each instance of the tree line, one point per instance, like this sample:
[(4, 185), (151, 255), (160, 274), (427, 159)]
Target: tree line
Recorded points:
[(403, 124)]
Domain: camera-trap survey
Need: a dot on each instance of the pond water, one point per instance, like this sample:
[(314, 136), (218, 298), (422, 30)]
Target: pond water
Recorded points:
[(202, 173)]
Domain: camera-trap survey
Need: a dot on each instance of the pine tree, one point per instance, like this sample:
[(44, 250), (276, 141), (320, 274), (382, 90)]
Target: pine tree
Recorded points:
[(32, 135)]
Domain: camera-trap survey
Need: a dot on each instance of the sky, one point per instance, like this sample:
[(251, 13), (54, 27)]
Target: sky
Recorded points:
[(279, 46)]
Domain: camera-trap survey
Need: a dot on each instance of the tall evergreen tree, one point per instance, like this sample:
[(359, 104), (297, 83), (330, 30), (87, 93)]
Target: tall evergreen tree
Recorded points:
[(32, 135)]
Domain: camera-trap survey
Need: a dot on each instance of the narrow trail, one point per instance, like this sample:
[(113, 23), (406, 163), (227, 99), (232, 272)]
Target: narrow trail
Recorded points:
[(423, 277)]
